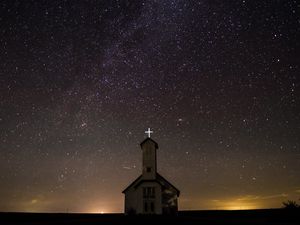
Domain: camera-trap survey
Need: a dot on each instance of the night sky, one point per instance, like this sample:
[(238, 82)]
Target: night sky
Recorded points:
[(80, 82)]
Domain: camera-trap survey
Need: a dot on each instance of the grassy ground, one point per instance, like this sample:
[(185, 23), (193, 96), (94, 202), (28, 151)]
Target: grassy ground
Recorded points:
[(243, 217)]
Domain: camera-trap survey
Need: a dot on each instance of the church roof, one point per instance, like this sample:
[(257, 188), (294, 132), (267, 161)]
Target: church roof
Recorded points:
[(133, 183), (159, 179), (149, 139)]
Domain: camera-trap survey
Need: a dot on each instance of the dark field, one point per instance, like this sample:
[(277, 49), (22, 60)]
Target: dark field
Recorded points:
[(245, 217)]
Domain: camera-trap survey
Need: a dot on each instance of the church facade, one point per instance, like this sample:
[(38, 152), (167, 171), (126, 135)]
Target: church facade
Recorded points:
[(150, 193)]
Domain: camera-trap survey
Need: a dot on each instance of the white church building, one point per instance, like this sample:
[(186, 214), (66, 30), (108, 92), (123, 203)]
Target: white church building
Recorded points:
[(150, 193)]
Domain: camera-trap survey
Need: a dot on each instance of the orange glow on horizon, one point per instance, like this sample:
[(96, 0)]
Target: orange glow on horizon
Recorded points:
[(240, 206), (95, 210), (246, 202)]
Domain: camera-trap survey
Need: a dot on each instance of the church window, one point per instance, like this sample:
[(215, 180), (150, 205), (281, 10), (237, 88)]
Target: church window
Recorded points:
[(145, 207), (149, 192)]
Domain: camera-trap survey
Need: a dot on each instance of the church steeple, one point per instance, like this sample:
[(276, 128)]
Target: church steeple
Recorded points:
[(149, 147)]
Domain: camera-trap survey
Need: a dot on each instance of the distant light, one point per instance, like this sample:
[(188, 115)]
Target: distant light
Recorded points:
[(239, 204)]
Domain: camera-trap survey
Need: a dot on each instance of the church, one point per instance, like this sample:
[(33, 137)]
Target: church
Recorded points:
[(150, 193)]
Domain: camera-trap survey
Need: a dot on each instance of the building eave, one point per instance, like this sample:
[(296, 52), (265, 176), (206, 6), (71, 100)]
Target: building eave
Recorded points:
[(159, 178), (133, 182)]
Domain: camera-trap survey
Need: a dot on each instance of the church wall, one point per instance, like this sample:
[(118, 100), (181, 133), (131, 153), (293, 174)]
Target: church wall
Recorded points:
[(131, 201), (166, 201), (139, 204)]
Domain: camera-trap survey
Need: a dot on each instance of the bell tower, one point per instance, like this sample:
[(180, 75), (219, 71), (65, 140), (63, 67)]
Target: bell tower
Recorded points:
[(149, 147)]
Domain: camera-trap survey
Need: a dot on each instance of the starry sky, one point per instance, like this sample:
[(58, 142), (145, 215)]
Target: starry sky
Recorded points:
[(80, 81)]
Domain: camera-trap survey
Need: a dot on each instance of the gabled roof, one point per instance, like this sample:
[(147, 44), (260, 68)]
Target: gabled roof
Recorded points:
[(159, 179), (149, 139), (137, 180)]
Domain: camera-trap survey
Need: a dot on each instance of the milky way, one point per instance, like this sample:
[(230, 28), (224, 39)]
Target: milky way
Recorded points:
[(80, 82)]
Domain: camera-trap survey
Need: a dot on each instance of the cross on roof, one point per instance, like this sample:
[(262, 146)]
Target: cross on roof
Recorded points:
[(149, 132)]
